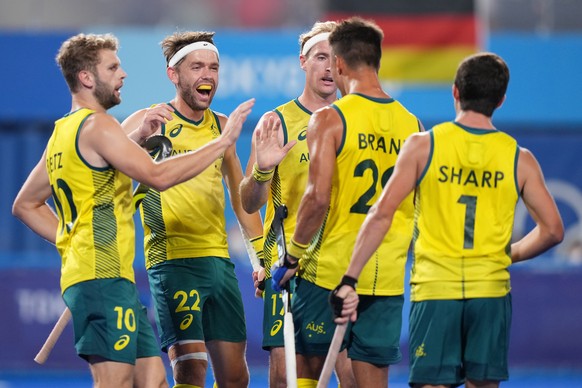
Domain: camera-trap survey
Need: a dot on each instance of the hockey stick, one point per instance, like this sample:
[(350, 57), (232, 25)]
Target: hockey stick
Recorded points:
[(161, 147), (52, 338), (332, 353), (288, 326)]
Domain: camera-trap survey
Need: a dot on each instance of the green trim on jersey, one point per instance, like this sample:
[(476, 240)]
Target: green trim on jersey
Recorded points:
[(290, 177), (187, 220), (462, 244), (96, 232), (364, 163)]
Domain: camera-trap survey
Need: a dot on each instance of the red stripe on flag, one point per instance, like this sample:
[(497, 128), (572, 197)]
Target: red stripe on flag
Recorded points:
[(423, 31)]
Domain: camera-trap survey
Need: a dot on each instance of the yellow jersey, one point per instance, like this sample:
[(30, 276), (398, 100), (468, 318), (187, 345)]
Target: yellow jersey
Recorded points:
[(187, 220), (96, 233), (374, 132), (290, 177), (465, 205)]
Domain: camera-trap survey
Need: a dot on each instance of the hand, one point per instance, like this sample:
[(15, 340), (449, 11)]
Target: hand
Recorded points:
[(282, 272), (235, 122), (344, 301), (153, 119), (268, 150), (259, 282)]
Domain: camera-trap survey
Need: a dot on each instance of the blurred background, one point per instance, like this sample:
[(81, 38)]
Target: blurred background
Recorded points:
[(541, 40)]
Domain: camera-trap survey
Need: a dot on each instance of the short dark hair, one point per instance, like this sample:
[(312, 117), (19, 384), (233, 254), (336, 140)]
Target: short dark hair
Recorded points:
[(173, 43), (82, 52), (358, 42), (482, 81)]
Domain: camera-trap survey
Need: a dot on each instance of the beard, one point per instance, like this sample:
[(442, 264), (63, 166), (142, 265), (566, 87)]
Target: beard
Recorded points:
[(187, 95), (104, 95)]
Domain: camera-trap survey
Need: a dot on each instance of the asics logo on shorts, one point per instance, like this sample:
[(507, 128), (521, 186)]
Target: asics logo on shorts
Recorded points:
[(276, 327), (121, 342)]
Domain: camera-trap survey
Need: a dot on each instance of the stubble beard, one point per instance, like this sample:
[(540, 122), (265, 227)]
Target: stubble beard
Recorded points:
[(105, 96), (187, 95)]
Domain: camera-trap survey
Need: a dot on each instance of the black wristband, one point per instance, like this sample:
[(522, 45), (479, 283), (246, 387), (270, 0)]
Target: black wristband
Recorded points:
[(349, 281), (288, 264)]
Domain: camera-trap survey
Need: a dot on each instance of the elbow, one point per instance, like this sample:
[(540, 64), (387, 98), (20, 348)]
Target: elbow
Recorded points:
[(556, 234), (248, 206), (160, 185), (18, 208), (252, 197)]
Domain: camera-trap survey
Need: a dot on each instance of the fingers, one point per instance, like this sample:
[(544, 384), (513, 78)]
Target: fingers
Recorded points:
[(159, 114), (349, 303), (289, 145), (236, 120)]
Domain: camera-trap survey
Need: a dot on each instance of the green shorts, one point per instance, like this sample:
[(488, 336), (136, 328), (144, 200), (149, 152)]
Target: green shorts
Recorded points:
[(109, 321), (197, 299), (273, 316), (373, 338), (451, 340)]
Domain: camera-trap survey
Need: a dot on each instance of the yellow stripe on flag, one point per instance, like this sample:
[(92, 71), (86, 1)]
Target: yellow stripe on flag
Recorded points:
[(422, 65)]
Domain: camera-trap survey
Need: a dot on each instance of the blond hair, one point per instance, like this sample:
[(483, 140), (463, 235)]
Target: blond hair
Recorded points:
[(81, 52)]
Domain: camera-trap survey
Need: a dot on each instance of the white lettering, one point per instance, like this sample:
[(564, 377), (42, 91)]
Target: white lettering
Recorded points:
[(39, 306)]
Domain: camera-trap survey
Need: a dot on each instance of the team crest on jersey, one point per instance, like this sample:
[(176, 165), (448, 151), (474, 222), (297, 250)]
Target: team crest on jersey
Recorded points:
[(214, 130)]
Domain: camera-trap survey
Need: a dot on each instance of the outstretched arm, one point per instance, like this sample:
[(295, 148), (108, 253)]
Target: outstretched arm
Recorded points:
[(103, 141)]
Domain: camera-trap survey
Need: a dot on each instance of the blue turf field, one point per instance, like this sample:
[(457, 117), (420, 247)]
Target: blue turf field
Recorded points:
[(398, 379)]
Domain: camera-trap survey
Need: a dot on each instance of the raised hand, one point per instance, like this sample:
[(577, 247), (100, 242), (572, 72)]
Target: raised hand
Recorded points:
[(269, 151), (235, 122), (153, 119)]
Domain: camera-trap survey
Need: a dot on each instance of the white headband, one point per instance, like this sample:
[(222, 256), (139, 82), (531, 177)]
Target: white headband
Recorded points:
[(313, 41), (201, 45)]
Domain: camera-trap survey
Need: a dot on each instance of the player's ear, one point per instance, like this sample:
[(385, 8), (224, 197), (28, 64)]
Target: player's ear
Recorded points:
[(455, 92), (86, 78), (302, 60), (339, 64), (172, 75)]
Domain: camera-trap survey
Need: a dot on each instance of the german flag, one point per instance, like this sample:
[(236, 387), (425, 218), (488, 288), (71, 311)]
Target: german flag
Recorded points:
[(424, 40)]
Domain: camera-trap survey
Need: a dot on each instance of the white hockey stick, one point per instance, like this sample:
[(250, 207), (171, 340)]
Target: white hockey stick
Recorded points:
[(288, 326), (163, 148), (334, 349)]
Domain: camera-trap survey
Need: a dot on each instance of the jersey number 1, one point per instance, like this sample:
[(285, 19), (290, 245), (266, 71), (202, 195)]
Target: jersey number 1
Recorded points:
[(470, 201)]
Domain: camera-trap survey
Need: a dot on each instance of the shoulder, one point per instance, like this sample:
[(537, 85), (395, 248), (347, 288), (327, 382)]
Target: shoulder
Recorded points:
[(102, 120), (135, 117), (419, 140), (221, 117), (328, 115)]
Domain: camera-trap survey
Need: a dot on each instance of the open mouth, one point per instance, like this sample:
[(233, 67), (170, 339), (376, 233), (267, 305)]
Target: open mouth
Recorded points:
[(204, 89), (327, 79)]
